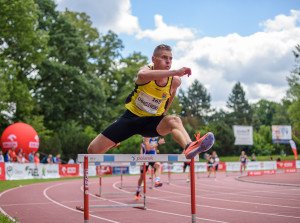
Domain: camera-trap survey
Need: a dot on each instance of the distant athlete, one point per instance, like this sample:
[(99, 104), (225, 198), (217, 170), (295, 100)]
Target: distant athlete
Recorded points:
[(147, 105), (149, 146), (243, 159), (210, 164)]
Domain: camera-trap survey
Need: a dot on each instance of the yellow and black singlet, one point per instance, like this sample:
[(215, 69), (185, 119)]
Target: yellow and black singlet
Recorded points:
[(149, 99)]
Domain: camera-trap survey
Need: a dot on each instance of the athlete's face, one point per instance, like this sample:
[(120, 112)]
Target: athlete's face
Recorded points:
[(163, 60)]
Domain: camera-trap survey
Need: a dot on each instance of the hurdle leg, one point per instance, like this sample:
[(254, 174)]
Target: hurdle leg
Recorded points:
[(86, 189), (144, 173), (121, 178), (100, 181), (193, 199), (169, 173)]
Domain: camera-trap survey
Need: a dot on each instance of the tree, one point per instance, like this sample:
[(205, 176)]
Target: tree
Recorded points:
[(23, 47), (238, 103), (262, 141), (196, 101), (294, 93)]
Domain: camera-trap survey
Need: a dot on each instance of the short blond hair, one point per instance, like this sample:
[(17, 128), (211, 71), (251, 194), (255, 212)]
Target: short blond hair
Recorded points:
[(161, 47)]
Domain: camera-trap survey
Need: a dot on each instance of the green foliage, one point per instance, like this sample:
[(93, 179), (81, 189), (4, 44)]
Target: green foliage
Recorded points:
[(129, 146), (262, 141), (242, 113), (196, 101)]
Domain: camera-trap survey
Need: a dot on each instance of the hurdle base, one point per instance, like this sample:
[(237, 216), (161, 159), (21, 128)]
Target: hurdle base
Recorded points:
[(80, 208), (129, 193)]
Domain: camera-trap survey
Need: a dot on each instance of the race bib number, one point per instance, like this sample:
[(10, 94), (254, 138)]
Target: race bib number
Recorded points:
[(147, 103)]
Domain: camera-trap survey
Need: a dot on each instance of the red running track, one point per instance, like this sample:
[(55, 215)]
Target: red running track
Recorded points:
[(220, 199)]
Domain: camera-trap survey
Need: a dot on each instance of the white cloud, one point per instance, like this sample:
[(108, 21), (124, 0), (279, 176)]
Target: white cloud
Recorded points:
[(164, 32), (260, 61), (106, 15)]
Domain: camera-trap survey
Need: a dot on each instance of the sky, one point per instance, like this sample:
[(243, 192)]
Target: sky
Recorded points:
[(222, 41)]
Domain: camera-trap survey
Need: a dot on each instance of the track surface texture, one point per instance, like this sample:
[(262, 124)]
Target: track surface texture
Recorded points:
[(218, 199)]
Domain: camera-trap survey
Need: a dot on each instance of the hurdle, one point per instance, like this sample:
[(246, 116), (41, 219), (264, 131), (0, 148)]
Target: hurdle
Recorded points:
[(114, 164), (98, 158)]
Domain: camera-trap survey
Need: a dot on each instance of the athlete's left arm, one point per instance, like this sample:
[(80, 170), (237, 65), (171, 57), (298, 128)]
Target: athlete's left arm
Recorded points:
[(175, 84)]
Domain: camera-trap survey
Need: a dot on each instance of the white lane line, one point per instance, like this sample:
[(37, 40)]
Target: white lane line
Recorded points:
[(170, 213), (55, 202), (234, 201)]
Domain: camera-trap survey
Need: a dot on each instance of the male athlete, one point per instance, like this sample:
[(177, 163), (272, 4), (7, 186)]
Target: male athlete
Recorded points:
[(149, 146), (155, 88)]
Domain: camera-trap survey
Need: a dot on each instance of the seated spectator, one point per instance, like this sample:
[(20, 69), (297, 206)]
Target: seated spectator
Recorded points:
[(12, 154), (31, 157), (56, 159), (6, 156), (271, 158), (1, 157), (71, 161), (36, 158), (253, 157), (278, 159)]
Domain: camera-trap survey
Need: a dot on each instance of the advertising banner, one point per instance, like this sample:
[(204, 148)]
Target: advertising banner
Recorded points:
[(233, 166), (286, 164), (201, 167), (2, 171), (222, 166), (298, 164), (243, 135), (18, 171), (281, 134), (69, 170), (118, 169)]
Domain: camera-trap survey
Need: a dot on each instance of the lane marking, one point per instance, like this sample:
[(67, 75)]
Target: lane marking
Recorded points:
[(55, 202)]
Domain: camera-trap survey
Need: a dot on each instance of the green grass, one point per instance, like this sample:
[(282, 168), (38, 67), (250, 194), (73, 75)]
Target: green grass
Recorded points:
[(5, 219)]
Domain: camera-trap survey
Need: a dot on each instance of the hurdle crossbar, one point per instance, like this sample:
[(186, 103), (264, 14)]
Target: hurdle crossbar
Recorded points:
[(97, 158)]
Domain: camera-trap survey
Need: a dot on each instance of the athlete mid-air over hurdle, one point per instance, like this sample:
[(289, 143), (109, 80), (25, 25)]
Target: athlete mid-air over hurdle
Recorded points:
[(147, 105)]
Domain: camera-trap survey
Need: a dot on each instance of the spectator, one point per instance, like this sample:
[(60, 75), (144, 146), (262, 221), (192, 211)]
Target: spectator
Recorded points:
[(31, 157), (36, 158), (278, 159), (19, 158), (282, 153), (1, 157), (56, 159), (71, 161), (253, 157), (24, 160), (47, 159), (12, 154), (6, 156), (271, 158)]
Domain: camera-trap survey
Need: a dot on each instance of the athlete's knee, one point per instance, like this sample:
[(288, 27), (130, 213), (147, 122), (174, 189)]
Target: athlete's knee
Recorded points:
[(174, 120)]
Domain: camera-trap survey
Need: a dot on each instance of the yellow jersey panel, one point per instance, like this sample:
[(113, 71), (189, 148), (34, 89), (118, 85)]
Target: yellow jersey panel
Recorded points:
[(149, 99)]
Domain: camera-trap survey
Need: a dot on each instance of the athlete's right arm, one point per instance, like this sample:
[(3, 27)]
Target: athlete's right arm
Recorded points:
[(149, 147), (145, 74)]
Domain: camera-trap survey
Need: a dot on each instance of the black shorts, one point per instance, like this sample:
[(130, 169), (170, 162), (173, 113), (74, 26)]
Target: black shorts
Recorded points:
[(150, 164), (186, 164), (130, 124), (217, 166)]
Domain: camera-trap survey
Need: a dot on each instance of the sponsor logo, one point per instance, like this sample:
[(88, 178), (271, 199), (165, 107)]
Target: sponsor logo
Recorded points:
[(71, 170), (86, 178), (142, 158), (11, 143), (164, 95), (34, 145), (32, 171), (9, 171)]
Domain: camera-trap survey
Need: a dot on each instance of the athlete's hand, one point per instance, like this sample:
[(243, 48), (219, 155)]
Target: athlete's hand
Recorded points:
[(184, 71), (161, 141)]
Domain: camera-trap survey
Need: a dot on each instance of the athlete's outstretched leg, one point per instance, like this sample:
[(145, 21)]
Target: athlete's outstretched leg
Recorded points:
[(100, 145)]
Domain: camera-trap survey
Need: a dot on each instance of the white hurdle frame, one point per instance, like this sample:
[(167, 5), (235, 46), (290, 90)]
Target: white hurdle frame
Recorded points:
[(98, 158)]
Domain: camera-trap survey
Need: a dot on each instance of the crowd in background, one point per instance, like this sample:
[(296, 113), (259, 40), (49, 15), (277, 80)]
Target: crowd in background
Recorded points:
[(18, 156)]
